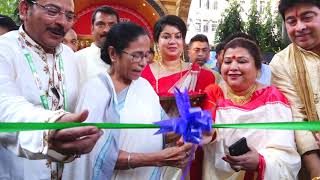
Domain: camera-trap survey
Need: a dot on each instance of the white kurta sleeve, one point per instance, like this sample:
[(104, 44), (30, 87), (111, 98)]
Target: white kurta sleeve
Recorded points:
[(14, 107)]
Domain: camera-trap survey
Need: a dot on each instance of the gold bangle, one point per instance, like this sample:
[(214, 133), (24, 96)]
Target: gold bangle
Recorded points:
[(129, 157), (316, 178)]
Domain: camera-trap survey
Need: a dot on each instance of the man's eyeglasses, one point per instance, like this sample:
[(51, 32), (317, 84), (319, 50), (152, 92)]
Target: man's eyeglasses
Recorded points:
[(54, 11), (138, 56)]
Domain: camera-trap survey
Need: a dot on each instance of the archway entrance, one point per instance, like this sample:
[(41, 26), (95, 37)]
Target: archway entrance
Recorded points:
[(142, 12)]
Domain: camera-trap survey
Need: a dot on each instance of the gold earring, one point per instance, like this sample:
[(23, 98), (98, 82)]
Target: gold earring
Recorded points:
[(258, 74), (183, 57), (157, 56)]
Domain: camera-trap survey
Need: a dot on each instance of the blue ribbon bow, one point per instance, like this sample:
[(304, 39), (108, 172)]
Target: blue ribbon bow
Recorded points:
[(191, 123)]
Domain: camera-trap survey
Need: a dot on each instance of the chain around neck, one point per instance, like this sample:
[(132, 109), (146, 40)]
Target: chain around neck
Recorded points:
[(240, 100)]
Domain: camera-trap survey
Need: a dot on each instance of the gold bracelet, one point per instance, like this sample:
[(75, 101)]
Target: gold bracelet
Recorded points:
[(316, 178), (129, 157)]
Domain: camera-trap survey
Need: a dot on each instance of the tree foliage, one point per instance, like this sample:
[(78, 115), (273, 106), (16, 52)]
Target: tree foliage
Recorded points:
[(254, 26), (270, 38), (261, 26), (9, 8), (231, 22)]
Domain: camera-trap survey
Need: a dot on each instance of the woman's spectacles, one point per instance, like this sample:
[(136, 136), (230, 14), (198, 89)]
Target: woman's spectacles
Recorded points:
[(54, 11), (138, 56)]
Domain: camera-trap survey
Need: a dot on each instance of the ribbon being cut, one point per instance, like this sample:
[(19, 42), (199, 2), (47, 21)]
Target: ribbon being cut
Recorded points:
[(189, 124)]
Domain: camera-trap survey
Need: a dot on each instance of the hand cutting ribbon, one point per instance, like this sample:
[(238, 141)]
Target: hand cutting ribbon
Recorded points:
[(191, 123)]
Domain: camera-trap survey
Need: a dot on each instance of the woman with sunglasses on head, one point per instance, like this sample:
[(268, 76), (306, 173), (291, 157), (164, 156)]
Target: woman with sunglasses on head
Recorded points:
[(122, 96)]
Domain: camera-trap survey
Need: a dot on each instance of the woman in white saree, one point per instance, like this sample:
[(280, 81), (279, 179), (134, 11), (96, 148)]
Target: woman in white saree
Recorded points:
[(121, 95)]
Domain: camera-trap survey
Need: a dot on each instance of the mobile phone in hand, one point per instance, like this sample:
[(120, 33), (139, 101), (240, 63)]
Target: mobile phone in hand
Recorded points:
[(238, 148)]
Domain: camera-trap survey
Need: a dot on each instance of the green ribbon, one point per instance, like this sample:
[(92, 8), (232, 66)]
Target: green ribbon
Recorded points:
[(15, 127)]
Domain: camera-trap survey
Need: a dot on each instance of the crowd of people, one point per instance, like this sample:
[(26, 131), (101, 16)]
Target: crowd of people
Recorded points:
[(124, 77)]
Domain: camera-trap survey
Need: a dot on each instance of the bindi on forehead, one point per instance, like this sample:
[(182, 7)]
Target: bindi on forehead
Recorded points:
[(296, 12), (233, 56)]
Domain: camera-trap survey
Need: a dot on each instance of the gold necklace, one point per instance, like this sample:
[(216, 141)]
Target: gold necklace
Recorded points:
[(241, 99), (169, 68), (160, 66)]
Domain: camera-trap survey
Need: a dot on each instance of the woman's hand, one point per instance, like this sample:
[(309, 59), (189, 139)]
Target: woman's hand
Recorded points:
[(177, 156), (248, 161), (171, 137)]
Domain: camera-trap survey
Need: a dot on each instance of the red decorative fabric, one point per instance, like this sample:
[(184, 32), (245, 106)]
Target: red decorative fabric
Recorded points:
[(213, 93), (261, 97), (205, 78), (261, 168), (249, 175)]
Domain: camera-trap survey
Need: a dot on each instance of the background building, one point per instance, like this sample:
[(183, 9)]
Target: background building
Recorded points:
[(204, 15)]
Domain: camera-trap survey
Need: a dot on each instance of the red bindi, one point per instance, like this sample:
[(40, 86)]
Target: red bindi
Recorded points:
[(296, 13), (233, 57)]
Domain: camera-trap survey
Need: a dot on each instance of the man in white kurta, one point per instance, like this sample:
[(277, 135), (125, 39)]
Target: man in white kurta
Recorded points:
[(89, 61), (39, 83), (19, 101)]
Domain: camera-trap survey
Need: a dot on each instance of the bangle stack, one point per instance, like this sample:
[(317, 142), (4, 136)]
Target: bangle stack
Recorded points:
[(129, 157)]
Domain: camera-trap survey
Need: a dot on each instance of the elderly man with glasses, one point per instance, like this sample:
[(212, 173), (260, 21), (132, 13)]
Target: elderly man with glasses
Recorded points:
[(71, 40), (39, 83)]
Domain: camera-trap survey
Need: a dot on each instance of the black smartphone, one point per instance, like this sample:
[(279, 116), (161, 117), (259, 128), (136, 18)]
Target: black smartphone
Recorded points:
[(238, 148)]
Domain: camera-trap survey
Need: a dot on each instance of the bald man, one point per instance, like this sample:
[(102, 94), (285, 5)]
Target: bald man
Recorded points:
[(71, 40)]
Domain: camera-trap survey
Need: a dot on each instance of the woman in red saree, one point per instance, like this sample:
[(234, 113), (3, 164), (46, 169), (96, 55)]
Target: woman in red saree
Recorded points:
[(169, 71)]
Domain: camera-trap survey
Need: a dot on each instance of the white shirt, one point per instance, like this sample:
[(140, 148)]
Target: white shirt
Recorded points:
[(89, 62), (265, 77), (20, 102)]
